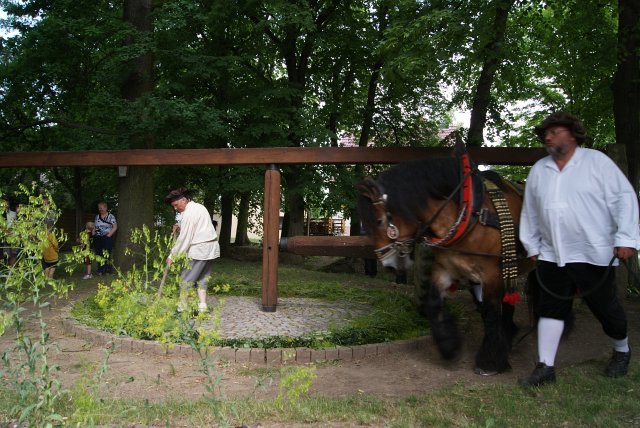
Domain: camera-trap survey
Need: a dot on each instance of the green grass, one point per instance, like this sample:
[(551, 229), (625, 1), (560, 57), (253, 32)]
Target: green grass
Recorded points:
[(582, 397), (392, 315)]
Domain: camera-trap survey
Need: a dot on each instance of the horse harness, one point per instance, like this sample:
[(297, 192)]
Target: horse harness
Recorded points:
[(472, 187)]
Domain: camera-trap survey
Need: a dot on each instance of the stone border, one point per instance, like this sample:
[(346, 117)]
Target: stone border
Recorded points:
[(272, 356)]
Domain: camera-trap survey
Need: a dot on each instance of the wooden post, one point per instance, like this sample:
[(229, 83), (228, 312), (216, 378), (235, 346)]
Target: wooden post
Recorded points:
[(271, 237)]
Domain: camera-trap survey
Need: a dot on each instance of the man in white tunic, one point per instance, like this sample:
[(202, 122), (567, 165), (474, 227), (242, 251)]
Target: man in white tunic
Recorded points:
[(580, 214), (198, 240)]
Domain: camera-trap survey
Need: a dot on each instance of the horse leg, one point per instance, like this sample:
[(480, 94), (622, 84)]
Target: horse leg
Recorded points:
[(493, 356), (443, 325), (423, 259)]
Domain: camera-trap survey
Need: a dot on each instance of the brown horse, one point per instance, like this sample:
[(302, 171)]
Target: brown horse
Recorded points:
[(444, 203)]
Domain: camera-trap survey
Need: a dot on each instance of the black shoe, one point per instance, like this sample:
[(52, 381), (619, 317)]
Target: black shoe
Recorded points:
[(541, 374), (619, 364)]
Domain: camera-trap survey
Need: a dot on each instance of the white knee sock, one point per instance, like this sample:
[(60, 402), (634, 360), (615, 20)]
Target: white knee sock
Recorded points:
[(549, 333), (621, 345)]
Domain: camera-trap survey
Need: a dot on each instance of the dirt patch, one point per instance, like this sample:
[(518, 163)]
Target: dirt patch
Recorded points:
[(158, 377)]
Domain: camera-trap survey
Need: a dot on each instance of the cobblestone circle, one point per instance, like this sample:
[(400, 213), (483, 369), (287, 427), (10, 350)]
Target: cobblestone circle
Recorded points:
[(243, 317)]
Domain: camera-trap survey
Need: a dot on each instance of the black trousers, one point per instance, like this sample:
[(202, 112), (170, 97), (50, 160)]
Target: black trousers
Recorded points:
[(100, 245), (582, 278)]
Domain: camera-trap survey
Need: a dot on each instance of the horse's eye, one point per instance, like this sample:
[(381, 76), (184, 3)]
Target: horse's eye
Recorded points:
[(380, 222)]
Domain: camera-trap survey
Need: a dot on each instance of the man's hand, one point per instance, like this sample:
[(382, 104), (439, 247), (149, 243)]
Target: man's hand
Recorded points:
[(169, 261), (624, 253)]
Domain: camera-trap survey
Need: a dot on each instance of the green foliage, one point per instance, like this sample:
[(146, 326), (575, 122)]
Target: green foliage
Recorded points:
[(295, 382), (84, 393), (25, 292), (122, 309), (133, 305)]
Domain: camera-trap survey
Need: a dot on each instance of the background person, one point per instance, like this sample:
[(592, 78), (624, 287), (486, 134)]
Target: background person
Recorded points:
[(105, 227), (198, 240), (50, 252), (579, 210)]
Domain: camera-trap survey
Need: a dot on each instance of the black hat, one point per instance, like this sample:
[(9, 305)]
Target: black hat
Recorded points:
[(176, 194), (562, 118)]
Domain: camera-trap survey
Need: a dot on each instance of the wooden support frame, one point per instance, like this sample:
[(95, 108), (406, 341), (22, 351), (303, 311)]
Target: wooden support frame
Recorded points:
[(271, 157)]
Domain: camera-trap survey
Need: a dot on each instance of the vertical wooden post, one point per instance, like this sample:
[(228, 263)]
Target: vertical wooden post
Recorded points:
[(271, 237)]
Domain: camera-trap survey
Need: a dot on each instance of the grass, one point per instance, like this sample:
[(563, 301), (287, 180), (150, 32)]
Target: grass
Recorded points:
[(582, 397), (391, 316)]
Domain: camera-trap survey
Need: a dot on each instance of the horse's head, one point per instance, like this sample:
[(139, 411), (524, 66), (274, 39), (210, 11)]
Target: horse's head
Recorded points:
[(392, 235)]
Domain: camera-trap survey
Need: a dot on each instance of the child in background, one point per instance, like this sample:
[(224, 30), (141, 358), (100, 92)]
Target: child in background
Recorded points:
[(50, 251), (85, 239)]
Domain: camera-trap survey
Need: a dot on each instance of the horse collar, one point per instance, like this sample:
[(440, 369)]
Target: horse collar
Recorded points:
[(464, 220)]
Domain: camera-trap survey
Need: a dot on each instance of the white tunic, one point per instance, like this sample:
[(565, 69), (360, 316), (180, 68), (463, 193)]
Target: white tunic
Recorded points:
[(197, 238), (579, 214)]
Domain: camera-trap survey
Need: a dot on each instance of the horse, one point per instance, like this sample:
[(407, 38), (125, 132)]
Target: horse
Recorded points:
[(466, 217)]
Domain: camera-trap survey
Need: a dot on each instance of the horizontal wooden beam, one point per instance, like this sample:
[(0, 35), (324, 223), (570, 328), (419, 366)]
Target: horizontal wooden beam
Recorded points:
[(262, 156), (338, 246)]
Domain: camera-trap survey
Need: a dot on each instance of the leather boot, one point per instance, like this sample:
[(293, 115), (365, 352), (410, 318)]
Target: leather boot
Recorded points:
[(541, 374), (619, 364)]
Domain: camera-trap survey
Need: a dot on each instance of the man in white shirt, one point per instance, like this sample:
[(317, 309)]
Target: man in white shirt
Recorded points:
[(580, 213), (198, 240)]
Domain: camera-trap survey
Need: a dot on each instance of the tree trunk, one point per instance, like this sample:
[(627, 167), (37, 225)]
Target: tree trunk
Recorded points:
[(135, 209), (626, 86), (78, 200), (242, 237), (492, 53), (135, 191), (626, 277), (295, 204), (226, 213)]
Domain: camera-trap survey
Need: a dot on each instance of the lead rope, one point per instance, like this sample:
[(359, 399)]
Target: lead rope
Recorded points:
[(583, 295)]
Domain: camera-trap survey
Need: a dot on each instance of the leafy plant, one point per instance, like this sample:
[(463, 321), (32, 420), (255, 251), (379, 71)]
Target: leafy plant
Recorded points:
[(295, 382), (24, 292), (85, 392)]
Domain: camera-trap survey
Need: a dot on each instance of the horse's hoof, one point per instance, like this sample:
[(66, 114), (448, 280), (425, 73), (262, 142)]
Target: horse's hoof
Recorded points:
[(483, 372)]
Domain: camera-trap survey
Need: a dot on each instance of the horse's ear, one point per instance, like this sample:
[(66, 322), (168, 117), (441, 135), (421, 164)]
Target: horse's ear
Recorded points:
[(369, 189)]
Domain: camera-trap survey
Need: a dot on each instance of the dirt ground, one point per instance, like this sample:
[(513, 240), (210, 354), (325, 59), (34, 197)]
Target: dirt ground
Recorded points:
[(156, 378)]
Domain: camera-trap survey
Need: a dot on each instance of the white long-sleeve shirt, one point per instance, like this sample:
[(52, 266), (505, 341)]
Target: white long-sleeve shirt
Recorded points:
[(197, 238), (580, 213)]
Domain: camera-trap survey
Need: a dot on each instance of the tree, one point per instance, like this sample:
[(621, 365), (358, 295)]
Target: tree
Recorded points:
[(626, 86), (136, 190), (491, 54)]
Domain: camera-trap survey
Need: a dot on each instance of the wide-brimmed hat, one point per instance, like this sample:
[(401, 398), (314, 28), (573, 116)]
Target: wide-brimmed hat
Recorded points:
[(562, 118)]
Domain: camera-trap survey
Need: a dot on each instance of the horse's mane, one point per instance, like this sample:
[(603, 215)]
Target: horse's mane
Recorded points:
[(409, 186)]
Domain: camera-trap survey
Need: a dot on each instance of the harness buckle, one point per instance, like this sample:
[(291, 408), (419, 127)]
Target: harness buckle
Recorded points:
[(483, 216)]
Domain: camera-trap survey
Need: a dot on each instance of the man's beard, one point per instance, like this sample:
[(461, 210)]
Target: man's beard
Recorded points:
[(556, 151)]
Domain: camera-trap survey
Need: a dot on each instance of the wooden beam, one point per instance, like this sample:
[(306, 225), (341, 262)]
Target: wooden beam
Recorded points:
[(263, 156), (338, 246)]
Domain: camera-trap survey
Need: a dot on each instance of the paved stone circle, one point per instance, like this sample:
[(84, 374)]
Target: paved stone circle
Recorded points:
[(243, 317)]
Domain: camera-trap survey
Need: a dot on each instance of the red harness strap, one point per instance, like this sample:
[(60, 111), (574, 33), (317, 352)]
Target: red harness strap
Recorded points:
[(463, 222)]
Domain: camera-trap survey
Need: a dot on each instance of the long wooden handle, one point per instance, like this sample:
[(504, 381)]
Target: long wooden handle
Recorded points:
[(166, 271), (164, 279)]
